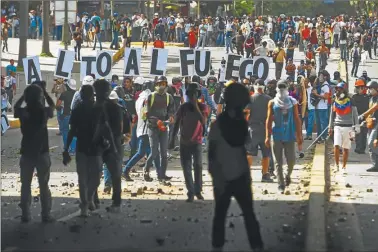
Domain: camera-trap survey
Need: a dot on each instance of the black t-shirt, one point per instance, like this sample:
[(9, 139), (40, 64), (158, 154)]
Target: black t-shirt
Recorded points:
[(66, 97), (35, 138), (83, 124), (77, 37), (115, 116), (177, 95)]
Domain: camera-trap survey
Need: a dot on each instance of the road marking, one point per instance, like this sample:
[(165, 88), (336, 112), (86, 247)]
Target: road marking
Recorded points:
[(70, 216)]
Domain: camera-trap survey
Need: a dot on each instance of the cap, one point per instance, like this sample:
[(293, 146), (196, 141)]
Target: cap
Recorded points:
[(88, 80), (113, 95), (341, 85), (72, 84), (359, 83)]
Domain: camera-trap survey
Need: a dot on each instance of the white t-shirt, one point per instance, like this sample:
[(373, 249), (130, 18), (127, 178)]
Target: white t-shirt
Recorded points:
[(309, 105), (187, 27), (327, 38), (179, 22), (262, 51), (296, 27), (222, 74), (336, 28), (323, 104), (9, 81)]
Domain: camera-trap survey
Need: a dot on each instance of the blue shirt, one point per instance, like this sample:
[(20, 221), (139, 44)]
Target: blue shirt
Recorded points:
[(33, 21), (10, 69), (284, 127)]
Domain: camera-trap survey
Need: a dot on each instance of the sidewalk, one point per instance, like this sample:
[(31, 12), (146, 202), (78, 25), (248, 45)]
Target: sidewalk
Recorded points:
[(352, 207)]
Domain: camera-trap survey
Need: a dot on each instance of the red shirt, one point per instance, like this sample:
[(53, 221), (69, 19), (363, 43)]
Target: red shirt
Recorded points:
[(305, 33), (155, 21), (313, 38)]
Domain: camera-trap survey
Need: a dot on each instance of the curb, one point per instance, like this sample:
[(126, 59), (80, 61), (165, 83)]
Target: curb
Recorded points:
[(316, 218)]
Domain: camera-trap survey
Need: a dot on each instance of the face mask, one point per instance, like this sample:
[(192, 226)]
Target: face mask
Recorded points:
[(342, 96), (161, 89), (282, 93)]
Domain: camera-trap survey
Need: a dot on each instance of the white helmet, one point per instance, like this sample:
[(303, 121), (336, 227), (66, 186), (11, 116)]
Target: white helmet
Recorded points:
[(88, 80)]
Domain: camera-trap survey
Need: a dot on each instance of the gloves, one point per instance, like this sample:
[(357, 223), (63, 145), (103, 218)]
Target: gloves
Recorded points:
[(357, 129)]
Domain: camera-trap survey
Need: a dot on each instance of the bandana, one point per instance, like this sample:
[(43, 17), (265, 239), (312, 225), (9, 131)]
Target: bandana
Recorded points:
[(283, 100), (342, 107)]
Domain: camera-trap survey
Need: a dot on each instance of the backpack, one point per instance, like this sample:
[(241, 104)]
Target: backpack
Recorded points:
[(221, 25), (143, 110)]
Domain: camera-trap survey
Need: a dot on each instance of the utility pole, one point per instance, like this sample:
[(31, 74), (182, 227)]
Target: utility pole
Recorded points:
[(262, 7), (198, 10), (111, 8), (65, 26)]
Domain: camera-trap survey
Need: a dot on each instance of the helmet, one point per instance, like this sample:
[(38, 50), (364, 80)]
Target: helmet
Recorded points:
[(193, 87), (372, 84), (211, 78), (148, 85), (359, 83), (161, 79)]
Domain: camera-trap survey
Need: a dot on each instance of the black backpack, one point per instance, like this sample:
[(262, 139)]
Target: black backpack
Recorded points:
[(221, 25)]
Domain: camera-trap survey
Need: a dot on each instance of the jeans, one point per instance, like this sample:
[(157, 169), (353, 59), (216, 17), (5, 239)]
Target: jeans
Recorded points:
[(58, 32), (361, 140), (220, 38), (59, 113), (134, 140), (113, 162), (88, 171), (179, 34), (289, 149), (356, 63), (336, 40), (343, 52), (310, 122), (158, 139), (115, 40), (33, 32), (201, 41), (209, 38), (77, 52), (279, 66), (240, 188), (228, 44), (97, 39), (187, 153), (321, 122), (65, 129), (373, 151), (42, 164), (143, 149)]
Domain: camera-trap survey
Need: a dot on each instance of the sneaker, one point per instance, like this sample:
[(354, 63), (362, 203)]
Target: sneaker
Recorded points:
[(147, 177), (287, 180), (113, 209), (199, 196), (190, 199), (272, 175), (372, 169), (92, 206), (107, 189), (84, 212), (47, 219), (167, 178), (127, 177), (281, 188), (266, 178)]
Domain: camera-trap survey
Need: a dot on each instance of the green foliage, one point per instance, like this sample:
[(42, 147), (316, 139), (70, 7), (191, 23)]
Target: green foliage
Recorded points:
[(244, 7), (46, 55)]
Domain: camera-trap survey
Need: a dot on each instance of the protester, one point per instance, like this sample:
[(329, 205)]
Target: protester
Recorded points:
[(361, 101), (228, 166), (160, 107), (109, 136), (190, 120), (76, 36), (88, 80), (88, 160), (321, 93), (343, 124), (10, 85), (356, 59), (283, 112), (257, 112), (278, 58), (10, 68), (35, 148)]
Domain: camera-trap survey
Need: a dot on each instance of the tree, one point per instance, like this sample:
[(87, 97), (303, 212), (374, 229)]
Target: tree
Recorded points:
[(23, 34), (46, 25), (244, 7)]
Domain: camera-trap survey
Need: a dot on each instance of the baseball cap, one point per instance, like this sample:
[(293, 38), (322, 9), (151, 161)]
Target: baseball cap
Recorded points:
[(72, 84)]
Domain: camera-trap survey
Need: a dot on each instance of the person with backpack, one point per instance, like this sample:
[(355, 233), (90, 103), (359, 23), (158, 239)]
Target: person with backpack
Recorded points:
[(160, 112), (321, 94), (142, 132), (190, 119)]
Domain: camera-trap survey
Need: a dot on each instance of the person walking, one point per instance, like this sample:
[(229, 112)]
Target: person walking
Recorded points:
[(283, 112), (355, 58), (190, 120), (343, 124), (35, 148), (240, 43), (279, 56), (229, 169), (76, 36)]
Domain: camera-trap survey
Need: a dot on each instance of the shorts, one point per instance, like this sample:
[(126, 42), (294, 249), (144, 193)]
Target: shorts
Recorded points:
[(341, 137), (255, 143)]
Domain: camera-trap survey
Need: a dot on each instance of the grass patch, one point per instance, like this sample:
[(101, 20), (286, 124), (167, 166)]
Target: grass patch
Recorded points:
[(19, 69), (47, 55)]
